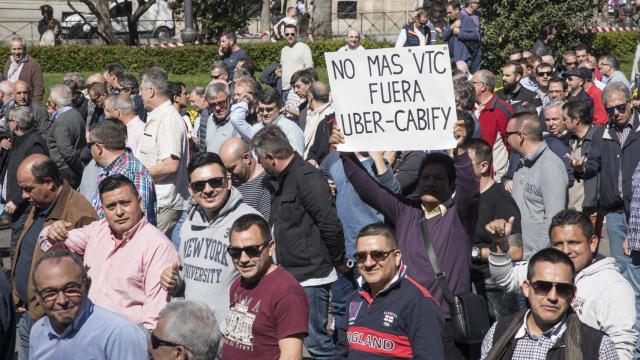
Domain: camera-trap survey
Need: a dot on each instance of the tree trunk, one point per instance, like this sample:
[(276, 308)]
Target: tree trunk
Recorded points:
[(265, 16), (322, 19), (100, 8), (132, 20)]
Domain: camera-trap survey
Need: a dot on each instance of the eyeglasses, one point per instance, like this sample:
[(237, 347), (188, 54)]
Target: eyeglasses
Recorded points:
[(216, 77), (544, 73), (509, 133), (70, 290), (477, 82), (543, 288), (621, 108), (289, 34), (156, 342), (214, 182), (603, 64), (251, 251), (376, 255), (219, 104), (266, 109)]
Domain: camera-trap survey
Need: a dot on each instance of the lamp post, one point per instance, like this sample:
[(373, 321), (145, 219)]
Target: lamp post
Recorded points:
[(188, 34)]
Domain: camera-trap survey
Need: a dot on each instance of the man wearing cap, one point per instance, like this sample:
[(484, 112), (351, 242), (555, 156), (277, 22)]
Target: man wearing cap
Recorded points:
[(575, 79)]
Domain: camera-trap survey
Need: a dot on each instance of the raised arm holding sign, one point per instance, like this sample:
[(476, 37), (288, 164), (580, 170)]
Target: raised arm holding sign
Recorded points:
[(393, 99)]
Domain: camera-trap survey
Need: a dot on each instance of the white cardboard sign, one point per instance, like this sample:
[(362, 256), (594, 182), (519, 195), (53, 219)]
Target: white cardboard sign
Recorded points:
[(394, 98)]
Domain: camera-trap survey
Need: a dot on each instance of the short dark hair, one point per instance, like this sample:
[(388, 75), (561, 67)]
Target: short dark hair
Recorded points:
[(562, 81), (205, 158), (454, 5), (304, 76), (469, 123), (98, 88), (441, 159), (111, 133), (246, 221), (514, 51), (581, 47), (129, 81), (291, 26), (115, 69), (271, 96), (249, 64), (573, 217), (114, 182), (230, 35), (271, 140), (516, 65), (379, 229), (60, 253), (545, 31), (482, 150), (175, 89), (578, 109), (47, 169), (552, 256)]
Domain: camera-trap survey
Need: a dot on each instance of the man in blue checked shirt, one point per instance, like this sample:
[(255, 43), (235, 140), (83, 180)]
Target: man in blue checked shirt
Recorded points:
[(76, 328), (107, 147), (631, 245)]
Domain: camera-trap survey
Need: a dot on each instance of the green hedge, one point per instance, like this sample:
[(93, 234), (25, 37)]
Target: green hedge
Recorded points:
[(616, 43), (182, 60)]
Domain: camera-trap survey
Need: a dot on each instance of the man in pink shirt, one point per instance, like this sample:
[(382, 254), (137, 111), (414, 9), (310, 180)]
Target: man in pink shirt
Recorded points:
[(121, 107), (124, 253)]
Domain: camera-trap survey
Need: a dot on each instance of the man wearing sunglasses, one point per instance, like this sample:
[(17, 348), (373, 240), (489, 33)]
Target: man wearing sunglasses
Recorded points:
[(274, 329), (390, 315), (74, 327), (543, 73), (293, 57), (603, 298), (609, 67), (549, 329), (206, 271)]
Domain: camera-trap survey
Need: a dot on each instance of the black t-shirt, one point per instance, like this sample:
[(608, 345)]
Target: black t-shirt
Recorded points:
[(495, 203)]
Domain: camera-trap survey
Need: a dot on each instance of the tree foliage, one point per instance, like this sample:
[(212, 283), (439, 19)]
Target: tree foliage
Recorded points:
[(511, 24), (213, 17)]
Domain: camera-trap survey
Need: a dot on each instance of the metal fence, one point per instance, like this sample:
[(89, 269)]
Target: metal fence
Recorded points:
[(372, 25)]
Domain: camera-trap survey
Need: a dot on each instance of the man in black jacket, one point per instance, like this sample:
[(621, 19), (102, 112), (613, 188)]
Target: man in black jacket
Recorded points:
[(512, 92), (307, 230), (614, 154)]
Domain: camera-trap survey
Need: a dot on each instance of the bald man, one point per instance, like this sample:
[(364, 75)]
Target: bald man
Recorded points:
[(248, 175), (352, 41), (22, 97), (52, 199)]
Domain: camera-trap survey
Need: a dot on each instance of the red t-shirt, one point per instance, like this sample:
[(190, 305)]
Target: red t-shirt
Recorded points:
[(258, 317)]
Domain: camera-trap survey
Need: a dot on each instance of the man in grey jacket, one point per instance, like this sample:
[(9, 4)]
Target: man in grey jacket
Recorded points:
[(67, 135), (540, 185), (206, 270)]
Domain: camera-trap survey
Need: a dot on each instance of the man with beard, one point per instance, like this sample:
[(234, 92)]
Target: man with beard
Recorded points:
[(575, 80), (512, 91), (229, 51)]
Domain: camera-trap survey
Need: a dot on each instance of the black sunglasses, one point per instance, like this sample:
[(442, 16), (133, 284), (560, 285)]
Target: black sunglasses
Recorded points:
[(214, 182), (155, 342), (544, 73), (216, 77), (251, 251), (376, 255), (621, 108), (543, 288), (290, 34)]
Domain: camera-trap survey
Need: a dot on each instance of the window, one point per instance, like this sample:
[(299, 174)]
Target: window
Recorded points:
[(347, 9)]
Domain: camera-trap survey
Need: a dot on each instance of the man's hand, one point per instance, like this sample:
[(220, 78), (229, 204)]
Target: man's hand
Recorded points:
[(625, 247), (332, 186), (59, 231), (500, 230), (5, 144), (336, 136), (459, 132), (10, 207), (578, 164), (169, 277), (508, 185)]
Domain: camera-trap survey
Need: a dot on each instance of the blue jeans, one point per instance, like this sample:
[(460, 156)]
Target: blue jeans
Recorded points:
[(318, 342), (632, 274), (24, 329), (340, 291), (175, 234), (617, 231)]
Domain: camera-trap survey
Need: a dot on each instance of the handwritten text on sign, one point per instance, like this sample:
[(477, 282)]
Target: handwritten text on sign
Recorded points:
[(393, 99)]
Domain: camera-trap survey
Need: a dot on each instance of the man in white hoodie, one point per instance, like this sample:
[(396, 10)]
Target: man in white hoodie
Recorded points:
[(604, 299), (206, 271)]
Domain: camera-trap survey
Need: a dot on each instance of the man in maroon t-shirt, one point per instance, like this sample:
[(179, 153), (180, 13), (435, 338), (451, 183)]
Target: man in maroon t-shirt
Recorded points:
[(268, 313)]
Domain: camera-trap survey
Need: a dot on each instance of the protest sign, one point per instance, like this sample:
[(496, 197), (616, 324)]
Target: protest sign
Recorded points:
[(393, 99)]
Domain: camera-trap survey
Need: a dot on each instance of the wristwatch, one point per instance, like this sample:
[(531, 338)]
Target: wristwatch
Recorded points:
[(475, 253)]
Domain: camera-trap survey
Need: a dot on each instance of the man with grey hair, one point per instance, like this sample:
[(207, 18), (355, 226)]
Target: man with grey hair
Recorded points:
[(67, 135), (219, 126), (197, 100), (493, 114), (186, 330), (303, 212), (539, 185), (615, 154), (26, 140), (121, 107), (20, 66), (75, 76), (609, 67), (352, 41), (163, 149), (219, 71)]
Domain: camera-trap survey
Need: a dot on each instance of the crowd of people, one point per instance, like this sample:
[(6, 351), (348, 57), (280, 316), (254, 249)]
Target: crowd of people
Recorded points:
[(237, 231)]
